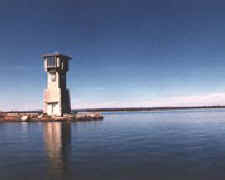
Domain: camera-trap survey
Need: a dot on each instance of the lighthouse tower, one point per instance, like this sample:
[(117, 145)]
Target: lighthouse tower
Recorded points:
[(56, 96)]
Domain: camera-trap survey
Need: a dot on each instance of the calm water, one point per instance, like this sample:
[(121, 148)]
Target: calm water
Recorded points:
[(158, 145)]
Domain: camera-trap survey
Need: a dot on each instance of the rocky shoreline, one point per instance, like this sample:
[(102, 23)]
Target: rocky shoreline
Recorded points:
[(39, 117)]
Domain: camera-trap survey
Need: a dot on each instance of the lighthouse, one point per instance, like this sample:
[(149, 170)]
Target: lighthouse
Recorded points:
[(56, 95)]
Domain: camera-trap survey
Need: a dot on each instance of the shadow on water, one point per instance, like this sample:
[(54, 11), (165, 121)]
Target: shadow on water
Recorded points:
[(57, 138)]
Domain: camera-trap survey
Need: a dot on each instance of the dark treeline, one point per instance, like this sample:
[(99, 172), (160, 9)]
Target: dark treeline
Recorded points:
[(142, 108)]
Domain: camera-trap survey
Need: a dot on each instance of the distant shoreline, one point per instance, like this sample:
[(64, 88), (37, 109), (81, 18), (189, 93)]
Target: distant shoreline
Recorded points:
[(129, 109), (133, 109)]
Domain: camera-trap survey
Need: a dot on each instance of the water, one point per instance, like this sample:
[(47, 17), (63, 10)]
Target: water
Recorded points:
[(128, 146)]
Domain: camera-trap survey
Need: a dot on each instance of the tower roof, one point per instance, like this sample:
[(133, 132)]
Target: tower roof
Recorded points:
[(55, 54)]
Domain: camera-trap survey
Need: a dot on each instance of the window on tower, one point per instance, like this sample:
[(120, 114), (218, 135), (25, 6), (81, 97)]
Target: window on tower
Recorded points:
[(51, 61), (53, 76)]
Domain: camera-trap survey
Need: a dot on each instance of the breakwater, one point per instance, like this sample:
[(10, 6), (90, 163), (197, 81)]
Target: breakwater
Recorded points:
[(40, 117)]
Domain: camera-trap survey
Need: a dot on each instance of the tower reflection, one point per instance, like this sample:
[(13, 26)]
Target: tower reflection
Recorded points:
[(57, 138)]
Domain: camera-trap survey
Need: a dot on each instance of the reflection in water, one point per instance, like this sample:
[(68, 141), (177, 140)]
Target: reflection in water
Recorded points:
[(57, 138)]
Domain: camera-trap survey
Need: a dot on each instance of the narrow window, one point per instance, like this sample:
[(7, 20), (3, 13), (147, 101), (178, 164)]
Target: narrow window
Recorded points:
[(51, 61), (53, 76)]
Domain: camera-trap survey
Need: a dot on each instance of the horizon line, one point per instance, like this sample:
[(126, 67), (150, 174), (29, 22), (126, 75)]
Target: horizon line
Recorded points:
[(126, 108)]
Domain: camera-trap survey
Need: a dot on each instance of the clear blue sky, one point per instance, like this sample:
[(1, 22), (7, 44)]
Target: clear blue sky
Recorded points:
[(125, 52)]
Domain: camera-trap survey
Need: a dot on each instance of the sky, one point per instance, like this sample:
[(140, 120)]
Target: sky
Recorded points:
[(125, 52)]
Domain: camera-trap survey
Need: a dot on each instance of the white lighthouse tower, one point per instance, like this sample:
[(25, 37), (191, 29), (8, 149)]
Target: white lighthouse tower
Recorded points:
[(56, 96)]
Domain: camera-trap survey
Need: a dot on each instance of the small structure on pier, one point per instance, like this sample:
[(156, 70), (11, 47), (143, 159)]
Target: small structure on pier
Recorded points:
[(56, 96)]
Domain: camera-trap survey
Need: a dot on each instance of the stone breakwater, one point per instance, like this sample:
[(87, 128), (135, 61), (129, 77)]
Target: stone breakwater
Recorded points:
[(39, 117)]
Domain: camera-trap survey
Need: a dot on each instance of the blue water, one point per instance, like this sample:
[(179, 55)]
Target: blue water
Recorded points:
[(188, 144)]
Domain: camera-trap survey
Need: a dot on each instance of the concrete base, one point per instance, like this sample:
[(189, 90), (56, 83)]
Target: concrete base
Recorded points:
[(56, 102)]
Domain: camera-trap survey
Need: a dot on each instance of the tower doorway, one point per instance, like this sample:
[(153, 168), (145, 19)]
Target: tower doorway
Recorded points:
[(52, 109)]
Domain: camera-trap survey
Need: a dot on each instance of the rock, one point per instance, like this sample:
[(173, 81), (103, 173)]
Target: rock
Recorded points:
[(80, 116), (24, 118), (46, 118), (88, 116), (2, 114), (10, 118), (40, 116), (13, 114)]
